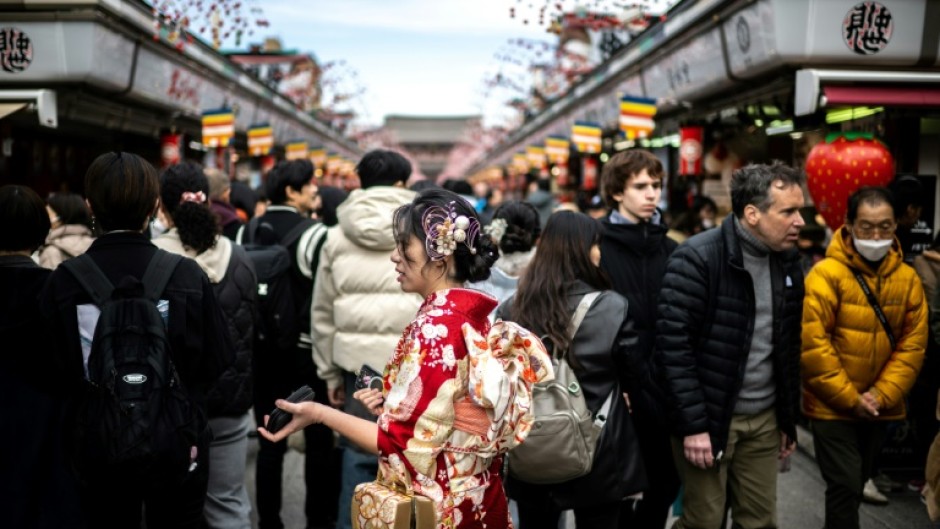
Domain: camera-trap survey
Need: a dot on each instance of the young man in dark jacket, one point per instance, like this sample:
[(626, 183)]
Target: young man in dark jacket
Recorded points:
[(634, 249), (278, 370), (728, 345), (122, 192)]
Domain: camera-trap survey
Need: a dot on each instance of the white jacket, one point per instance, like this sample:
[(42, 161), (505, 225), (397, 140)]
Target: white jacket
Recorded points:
[(359, 310)]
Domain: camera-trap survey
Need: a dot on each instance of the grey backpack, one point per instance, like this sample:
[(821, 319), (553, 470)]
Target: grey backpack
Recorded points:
[(561, 444)]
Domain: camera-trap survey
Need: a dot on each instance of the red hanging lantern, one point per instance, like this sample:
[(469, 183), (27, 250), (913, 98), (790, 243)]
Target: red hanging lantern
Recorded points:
[(690, 150), (170, 149)]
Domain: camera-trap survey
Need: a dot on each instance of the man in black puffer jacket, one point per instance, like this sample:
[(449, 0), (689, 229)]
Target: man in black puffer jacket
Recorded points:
[(728, 346)]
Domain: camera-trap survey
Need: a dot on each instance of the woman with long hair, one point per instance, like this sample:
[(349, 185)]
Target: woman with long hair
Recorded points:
[(565, 268), (445, 421), (194, 232)]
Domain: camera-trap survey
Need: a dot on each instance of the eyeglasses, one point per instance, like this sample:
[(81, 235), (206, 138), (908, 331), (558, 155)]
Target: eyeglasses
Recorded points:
[(865, 229)]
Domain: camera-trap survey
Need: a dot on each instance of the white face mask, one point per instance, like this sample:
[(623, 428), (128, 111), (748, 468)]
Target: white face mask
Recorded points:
[(873, 250), (157, 228), (708, 223)]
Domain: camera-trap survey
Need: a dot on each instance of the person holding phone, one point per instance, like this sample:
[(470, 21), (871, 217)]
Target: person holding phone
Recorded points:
[(443, 422)]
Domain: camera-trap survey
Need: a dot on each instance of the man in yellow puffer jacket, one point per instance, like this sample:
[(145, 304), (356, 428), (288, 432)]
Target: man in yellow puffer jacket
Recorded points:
[(854, 374)]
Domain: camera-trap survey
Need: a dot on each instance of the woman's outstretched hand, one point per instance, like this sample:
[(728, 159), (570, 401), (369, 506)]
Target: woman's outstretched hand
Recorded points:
[(304, 414), (371, 399)]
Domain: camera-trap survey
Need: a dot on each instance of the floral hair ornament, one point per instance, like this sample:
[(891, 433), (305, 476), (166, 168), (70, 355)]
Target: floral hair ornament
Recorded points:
[(188, 196), (446, 229), (496, 230)]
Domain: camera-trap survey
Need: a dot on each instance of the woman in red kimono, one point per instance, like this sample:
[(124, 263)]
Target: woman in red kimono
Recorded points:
[(457, 391)]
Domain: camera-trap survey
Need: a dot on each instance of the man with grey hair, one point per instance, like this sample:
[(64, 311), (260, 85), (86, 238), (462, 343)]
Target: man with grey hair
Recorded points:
[(728, 351), (220, 192)]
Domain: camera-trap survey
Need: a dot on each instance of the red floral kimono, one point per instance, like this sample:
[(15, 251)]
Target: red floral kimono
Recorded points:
[(458, 396)]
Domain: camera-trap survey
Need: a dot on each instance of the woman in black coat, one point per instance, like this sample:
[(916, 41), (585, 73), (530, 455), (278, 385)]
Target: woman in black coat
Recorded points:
[(564, 269), (36, 489)]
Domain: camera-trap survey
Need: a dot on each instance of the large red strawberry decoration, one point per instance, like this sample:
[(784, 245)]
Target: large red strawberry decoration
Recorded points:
[(841, 164)]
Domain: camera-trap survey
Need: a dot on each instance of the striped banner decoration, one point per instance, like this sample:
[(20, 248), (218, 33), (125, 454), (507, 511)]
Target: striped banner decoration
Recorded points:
[(260, 140), (586, 137), (333, 163), (636, 116), (556, 148), (318, 158), (218, 127), (295, 150), (535, 155)]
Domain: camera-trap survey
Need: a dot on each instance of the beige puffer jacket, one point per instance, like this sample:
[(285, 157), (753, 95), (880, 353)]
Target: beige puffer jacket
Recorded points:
[(64, 243), (359, 310)]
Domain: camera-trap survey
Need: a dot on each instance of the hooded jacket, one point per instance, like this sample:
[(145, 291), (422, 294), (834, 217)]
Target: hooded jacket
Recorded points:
[(233, 280), (64, 242), (845, 348), (359, 310)]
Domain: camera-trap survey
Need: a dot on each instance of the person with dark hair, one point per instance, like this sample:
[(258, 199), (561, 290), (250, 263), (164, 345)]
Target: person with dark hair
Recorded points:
[(913, 233), (71, 232), (539, 194), (515, 228), (279, 369), (443, 424), (330, 199), (864, 334), (220, 202), (728, 350), (603, 354), (194, 233), (245, 200), (123, 194), (359, 308), (634, 250), (36, 489)]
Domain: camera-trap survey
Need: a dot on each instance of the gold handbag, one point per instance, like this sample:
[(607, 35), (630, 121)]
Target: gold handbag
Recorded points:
[(379, 506)]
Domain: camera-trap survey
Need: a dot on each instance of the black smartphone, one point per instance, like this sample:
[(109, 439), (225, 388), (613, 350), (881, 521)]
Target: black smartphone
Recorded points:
[(368, 378), (279, 418)]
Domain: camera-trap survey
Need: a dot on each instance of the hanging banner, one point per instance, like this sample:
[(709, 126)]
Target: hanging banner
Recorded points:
[(218, 127), (520, 162), (636, 116), (318, 158), (334, 163), (690, 150), (586, 137), (170, 149), (260, 139), (557, 149), (535, 155), (295, 150)]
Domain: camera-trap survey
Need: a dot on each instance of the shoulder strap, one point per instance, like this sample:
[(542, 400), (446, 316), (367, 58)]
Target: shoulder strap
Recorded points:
[(158, 273), (876, 307), (250, 231), (91, 278), (295, 232), (580, 312)]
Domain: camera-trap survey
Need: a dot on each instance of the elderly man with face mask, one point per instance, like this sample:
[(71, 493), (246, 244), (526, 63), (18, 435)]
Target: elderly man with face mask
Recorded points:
[(864, 333)]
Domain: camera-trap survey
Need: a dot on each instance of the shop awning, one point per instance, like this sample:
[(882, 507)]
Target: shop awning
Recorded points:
[(881, 96), (819, 88)]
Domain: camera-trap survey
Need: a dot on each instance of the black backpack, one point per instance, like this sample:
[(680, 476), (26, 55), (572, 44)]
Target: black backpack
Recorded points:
[(136, 418), (280, 314)]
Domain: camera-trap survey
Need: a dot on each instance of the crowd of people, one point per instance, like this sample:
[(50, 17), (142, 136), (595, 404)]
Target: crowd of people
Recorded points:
[(154, 322)]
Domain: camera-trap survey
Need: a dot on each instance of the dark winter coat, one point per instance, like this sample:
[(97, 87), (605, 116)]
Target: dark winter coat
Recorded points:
[(200, 345), (634, 257), (605, 350), (37, 489), (706, 320)]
